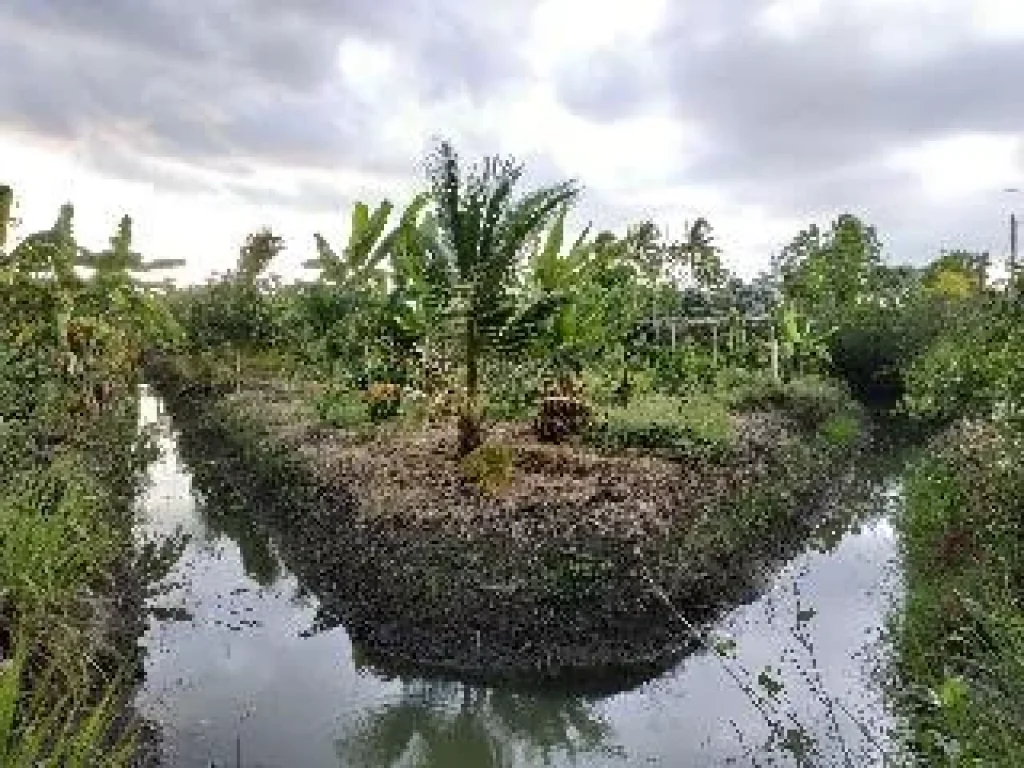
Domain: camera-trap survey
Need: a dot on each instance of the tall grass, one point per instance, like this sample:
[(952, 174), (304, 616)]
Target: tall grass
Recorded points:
[(70, 730), (961, 639)]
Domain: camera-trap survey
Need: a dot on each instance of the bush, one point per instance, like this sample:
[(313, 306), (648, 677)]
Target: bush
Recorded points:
[(974, 371), (489, 466), (812, 400), (840, 429), (687, 370), (512, 391), (743, 389), (343, 408)]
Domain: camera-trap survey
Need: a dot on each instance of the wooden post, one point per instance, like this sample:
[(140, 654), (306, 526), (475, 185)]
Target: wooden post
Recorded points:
[(238, 371), (1013, 253), (673, 326), (775, 358), (714, 344)]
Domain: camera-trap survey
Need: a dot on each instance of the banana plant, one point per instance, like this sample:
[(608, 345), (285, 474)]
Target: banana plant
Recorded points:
[(800, 344), (360, 265), (562, 276)]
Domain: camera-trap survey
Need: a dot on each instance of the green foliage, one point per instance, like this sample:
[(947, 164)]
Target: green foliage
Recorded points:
[(812, 400), (688, 370), (803, 347), (960, 640), (260, 249), (665, 424), (342, 407), (828, 273), (840, 429), (973, 369), (36, 731), (119, 260), (484, 231), (53, 537), (70, 460), (743, 389), (873, 349), (359, 267), (512, 389)]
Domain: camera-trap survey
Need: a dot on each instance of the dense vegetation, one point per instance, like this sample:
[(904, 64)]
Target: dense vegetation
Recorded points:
[(473, 304), (70, 463)]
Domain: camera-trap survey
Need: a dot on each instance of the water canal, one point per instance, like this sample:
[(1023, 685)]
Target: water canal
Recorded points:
[(235, 676)]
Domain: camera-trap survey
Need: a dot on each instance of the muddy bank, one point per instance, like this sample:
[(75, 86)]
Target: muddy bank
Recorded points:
[(549, 581)]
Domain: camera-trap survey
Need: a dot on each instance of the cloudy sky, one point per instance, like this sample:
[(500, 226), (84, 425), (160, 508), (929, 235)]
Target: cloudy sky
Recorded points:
[(205, 119)]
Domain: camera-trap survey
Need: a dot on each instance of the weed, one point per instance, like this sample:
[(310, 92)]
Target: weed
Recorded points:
[(490, 466)]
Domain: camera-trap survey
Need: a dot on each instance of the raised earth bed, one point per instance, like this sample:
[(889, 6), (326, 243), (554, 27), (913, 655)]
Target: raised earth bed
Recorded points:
[(560, 576)]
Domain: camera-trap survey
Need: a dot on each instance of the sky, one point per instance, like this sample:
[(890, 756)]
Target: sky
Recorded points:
[(208, 119)]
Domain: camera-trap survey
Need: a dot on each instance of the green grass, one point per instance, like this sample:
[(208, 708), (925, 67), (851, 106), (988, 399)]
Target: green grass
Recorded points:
[(38, 729), (960, 641), (665, 424)]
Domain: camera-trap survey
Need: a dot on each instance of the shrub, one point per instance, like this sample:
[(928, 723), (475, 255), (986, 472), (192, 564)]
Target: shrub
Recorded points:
[(512, 391), (840, 429), (490, 466), (343, 408), (812, 400), (687, 370), (743, 389)]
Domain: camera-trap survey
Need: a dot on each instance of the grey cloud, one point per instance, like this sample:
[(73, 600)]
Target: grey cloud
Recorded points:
[(111, 159), (772, 108), (229, 83), (609, 85)]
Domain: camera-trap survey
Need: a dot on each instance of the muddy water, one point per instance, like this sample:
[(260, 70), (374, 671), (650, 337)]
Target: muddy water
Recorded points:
[(234, 677)]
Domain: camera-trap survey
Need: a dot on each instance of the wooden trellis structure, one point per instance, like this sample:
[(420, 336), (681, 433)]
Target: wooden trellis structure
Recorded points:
[(715, 322)]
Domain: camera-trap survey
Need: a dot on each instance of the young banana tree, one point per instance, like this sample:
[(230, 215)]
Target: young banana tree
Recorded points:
[(483, 231), (422, 282), (360, 266), (564, 276), (800, 344)]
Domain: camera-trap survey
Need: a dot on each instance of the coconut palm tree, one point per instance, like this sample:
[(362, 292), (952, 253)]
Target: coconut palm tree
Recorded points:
[(483, 232)]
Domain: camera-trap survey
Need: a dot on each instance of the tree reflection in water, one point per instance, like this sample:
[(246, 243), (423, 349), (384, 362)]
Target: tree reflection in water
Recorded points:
[(437, 724)]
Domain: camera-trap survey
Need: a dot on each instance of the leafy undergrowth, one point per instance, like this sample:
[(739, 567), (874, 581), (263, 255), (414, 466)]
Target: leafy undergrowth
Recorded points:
[(961, 640)]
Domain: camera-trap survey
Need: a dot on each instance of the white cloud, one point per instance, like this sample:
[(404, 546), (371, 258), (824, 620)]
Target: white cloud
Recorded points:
[(959, 168)]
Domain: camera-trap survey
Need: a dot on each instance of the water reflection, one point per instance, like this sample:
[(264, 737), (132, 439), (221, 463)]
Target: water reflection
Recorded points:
[(245, 675), (450, 724)]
